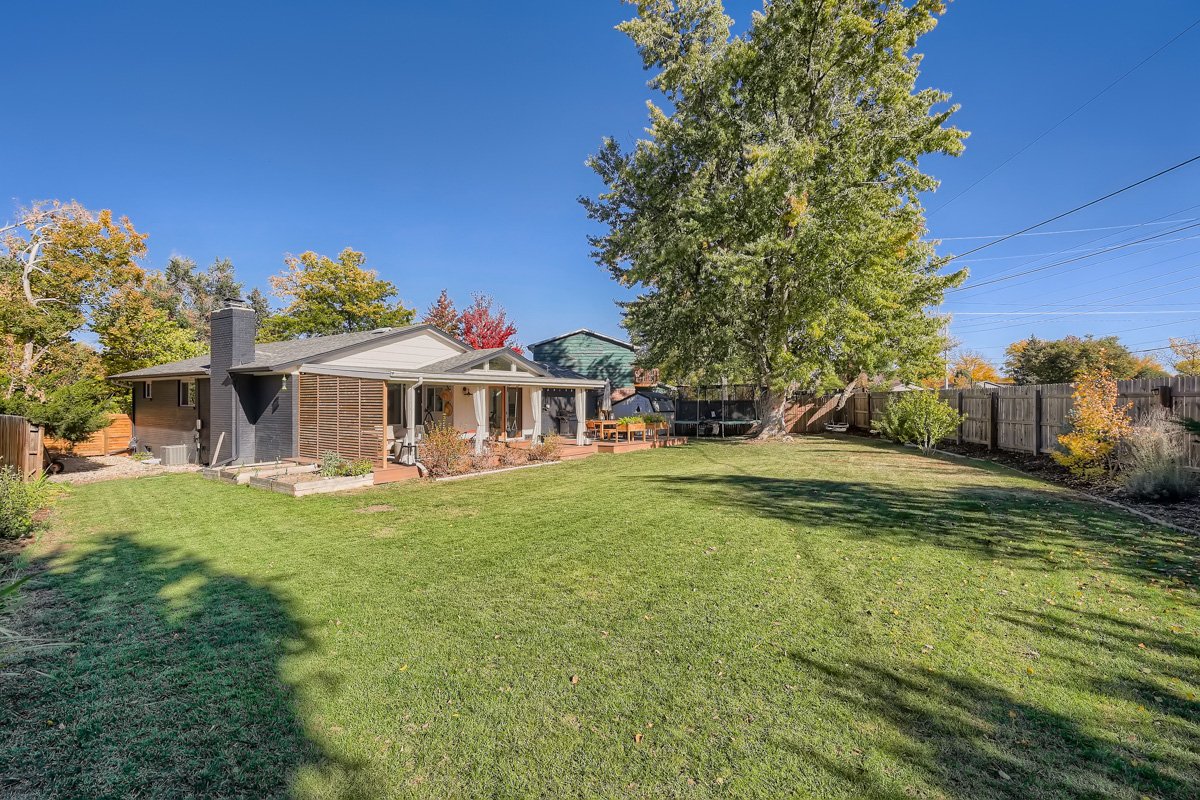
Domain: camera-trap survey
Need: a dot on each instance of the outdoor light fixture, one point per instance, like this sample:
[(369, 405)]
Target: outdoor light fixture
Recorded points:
[(283, 386)]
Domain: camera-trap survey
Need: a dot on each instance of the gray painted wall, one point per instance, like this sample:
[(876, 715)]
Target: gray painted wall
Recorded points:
[(274, 418), (161, 421)]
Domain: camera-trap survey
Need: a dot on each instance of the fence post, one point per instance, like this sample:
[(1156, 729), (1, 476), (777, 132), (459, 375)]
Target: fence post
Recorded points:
[(33, 452), (994, 421), (959, 395), (1037, 422)]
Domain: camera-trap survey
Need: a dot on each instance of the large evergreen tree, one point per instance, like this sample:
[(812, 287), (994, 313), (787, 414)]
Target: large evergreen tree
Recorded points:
[(772, 219)]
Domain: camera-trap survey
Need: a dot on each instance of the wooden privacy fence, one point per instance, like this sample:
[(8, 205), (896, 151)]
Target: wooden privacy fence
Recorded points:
[(1029, 419), (112, 439), (20, 445)]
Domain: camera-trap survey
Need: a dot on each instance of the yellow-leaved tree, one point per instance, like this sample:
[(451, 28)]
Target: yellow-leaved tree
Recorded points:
[(1098, 424)]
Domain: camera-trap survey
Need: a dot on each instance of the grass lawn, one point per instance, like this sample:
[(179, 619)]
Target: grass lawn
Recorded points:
[(829, 618)]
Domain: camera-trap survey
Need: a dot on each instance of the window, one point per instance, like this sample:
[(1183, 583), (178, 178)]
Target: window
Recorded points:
[(187, 393), (147, 390), (438, 405)]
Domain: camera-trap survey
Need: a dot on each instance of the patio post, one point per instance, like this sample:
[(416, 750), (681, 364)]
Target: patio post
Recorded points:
[(410, 414), (535, 405), (580, 416), (479, 397)]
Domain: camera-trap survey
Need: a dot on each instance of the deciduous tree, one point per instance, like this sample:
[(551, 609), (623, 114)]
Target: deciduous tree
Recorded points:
[(135, 333), (444, 315), (1035, 360), (772, 219), (485, 325), (1187, 356), (60, 262), (969, 368), (327, 296)]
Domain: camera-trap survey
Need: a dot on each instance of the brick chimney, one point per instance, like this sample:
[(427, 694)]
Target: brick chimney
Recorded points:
[(233, 331)]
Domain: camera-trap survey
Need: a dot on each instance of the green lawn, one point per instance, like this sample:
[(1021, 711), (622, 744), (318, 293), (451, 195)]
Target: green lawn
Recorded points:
[(829, 618)]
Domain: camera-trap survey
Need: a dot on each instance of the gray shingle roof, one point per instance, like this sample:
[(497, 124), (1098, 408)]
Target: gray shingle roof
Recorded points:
[(461, 361), (189, 366), (269, 355)]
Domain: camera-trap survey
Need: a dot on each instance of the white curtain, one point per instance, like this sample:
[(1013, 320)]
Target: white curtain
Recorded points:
[(535, 406), (410, 415), (580, 415), (479, 396)]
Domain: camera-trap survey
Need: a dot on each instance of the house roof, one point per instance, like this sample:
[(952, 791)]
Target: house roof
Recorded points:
[(586, 332), (188, 366), (279, 355), (462, 361)]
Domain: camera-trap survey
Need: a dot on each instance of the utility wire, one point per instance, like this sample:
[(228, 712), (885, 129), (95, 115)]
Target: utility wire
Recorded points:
[(1068, 230), (1076, 209), (1056, 125), (1101, 251)]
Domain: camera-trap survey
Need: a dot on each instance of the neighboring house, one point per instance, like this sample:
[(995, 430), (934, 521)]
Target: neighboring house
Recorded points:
[(591, 354), (364, 395)]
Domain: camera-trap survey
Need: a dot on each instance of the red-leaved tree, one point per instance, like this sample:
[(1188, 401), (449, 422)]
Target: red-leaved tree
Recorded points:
[(485, 325)]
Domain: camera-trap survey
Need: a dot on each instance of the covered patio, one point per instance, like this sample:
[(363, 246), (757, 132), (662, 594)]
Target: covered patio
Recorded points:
[(383, 415)]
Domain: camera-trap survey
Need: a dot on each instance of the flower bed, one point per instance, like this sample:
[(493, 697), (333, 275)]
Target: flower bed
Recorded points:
[(299, 484)]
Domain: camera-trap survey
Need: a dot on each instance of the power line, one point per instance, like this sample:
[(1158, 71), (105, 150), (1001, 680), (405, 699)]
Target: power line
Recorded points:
[(1093, 250), (1071, 313), (1101, 251), (1069, 230), (1056, 125), (1076, 209)]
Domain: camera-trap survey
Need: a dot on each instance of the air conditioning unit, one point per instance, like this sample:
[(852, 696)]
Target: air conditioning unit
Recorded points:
[(174, 455)]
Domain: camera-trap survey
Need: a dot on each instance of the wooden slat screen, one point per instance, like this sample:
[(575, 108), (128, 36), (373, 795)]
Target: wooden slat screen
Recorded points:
[(342, 415)]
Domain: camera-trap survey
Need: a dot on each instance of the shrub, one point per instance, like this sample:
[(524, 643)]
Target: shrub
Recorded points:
[(919, 418), (482, 460), (631, 420), (1098, 425), (548, 449), (73, 412), (19, 501), (444, 451), (654, 419), (333, 465), (1153, 459), (512, 457)]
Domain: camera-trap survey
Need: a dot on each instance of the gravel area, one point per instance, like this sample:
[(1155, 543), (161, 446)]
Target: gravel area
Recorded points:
[(107, 468)]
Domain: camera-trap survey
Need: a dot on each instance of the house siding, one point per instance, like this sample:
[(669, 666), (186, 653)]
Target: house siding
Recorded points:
[(408, 352), (161, 421), (274, 419), (590, 356)]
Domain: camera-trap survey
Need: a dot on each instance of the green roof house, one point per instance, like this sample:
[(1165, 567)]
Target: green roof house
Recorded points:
[(590, 354)]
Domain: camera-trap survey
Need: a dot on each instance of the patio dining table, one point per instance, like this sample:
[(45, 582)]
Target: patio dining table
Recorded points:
[(602, 429)]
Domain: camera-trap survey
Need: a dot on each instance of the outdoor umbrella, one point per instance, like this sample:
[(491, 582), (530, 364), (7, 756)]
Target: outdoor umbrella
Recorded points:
[(606, 399)]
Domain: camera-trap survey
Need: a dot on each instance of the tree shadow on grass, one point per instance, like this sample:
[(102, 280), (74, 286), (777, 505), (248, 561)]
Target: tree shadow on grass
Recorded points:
[(978, 741), (168, 685), (997, 522)]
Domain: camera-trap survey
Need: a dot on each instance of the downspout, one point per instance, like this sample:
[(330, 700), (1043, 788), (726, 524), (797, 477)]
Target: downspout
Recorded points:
[(422, 470)]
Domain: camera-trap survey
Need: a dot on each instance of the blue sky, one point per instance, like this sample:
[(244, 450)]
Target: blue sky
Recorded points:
[(449, 145)]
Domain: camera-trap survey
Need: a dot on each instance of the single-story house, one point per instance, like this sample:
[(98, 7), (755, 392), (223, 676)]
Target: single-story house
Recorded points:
[(367, 395)]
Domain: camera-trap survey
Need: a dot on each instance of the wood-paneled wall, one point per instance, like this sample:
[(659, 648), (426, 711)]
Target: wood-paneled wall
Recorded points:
[(343, 415)]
